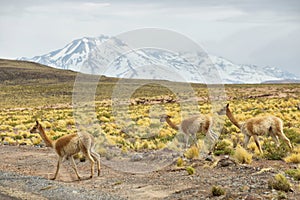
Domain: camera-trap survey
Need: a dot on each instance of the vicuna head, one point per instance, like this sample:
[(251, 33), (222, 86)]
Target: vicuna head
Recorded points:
[(223, 110), (35, 128), (164, 117)]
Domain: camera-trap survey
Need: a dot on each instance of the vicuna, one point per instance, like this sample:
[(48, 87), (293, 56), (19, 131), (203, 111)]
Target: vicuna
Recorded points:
[(258, 126), (68, 146), (193, 125)]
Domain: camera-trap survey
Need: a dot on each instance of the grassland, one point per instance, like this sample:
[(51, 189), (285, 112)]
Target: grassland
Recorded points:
[(31, 91), (131, 124)]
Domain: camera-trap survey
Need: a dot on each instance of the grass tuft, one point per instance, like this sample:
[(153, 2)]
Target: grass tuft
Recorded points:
[(293, 158), (190, 170), (192, 153), (295, 173), (242, 155), (217, 191), (180, 162), (272, 152), (279, 182)]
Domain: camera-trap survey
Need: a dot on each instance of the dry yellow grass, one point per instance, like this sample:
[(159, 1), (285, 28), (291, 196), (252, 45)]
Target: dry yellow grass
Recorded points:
[(242, 155), (293, 158), (192, 152)]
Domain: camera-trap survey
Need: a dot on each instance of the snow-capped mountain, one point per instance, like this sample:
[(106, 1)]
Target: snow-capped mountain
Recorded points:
[(113, 57), (72, 56), (234, 73)]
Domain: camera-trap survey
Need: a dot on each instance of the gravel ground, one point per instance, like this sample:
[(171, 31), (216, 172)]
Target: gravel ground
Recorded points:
[(15, 186), (25, 173)]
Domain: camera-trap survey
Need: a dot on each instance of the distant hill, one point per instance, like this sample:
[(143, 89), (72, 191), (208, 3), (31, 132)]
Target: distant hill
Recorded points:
[(15, 72), (282, 81)]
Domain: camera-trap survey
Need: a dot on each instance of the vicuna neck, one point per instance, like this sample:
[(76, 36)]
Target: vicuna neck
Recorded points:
[(47, 140), (232, 118), (174, 126)]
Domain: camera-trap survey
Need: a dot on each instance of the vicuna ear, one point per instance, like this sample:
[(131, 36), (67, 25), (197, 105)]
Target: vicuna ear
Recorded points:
[(37, 122), (227, 106)]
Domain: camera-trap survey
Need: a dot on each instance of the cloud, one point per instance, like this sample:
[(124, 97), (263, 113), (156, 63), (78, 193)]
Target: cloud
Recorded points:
[(230, 28)]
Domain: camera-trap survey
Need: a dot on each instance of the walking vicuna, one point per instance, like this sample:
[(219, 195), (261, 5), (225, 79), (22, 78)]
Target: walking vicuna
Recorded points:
[(68, 146), (258, 126), (193, 125)]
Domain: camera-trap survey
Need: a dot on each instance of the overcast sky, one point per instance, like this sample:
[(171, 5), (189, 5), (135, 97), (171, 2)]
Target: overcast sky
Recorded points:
[(260, 32)]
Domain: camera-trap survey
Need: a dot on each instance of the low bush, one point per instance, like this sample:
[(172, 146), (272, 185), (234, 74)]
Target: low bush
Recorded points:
[(293, 135), (293, 158), (279, 182), (223, 147), (180, 162), (295, 173), (217, 191), (192, 152), (272, 152), (242, 155), (190, 170)]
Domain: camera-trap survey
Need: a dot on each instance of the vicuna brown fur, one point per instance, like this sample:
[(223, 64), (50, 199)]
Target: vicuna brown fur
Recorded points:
[(258, 126), (191, 126), (69, 145)]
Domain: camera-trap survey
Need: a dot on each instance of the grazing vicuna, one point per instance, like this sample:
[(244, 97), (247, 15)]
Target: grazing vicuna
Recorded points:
[(193, 125), (68, 146), (258, 126)]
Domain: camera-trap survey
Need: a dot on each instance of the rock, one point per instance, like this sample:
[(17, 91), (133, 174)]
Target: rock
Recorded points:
[(253, 197), (209, 158), (226, 162), (136, 157)]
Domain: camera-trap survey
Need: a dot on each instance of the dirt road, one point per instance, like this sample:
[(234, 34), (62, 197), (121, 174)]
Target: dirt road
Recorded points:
[(24, 174)]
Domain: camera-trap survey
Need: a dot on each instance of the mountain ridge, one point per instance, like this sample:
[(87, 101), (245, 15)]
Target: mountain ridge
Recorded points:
[(87, 55)]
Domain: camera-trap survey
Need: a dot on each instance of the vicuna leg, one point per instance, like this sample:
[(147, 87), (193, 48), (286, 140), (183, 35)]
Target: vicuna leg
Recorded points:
[(57, 168), (246, 140), (285, 139), (75, 167), (278, 132), (255, 137), (275, 138), (186, 140), (87, 153), (96, 157)]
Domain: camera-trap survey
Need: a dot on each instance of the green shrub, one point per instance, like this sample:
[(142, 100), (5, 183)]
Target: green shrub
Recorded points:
[(279, 182), (190, 170), (179, 162), (192, 153), (223, 147), (217, 191), (293, 158), (272, 152), (293, 135), (17, 137), (242, 155), (56, 137), (295, 173), (281, 195)]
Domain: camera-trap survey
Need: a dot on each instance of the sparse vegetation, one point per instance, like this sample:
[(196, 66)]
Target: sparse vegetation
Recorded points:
[(242, 155), (47, 96), (295, 173), (217, 191), (190, 170), (180, 162), (224, 147), (279, 182), (272, 152), (135, 128), (192, 153), (293, 158)]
